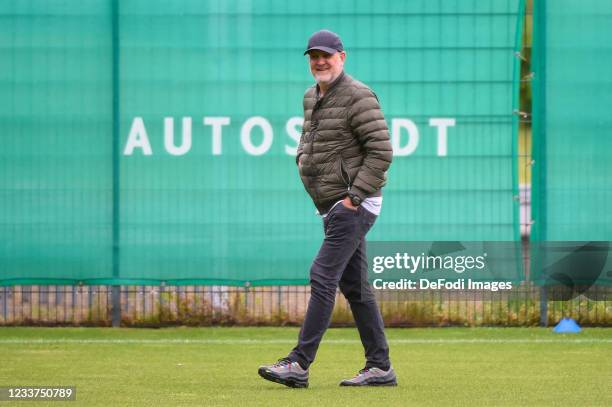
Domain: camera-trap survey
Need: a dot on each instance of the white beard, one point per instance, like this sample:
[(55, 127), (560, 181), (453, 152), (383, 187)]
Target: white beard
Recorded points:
[(326, 77), (323, 78)]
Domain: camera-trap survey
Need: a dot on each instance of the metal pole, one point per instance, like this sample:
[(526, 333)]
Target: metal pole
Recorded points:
[(4, 305), (116, 306), (161, 302), (543, 306), (116, 292)]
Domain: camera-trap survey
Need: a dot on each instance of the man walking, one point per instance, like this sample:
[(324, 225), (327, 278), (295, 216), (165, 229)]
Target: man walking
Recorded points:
[(343, 155)]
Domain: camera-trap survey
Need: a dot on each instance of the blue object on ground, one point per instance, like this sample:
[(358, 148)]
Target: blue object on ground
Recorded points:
[(567, 325)]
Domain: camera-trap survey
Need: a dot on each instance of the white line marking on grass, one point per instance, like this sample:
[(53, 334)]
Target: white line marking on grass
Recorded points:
[(162, 341)]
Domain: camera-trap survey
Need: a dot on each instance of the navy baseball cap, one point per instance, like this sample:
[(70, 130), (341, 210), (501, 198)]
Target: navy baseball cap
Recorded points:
[(326, 41)]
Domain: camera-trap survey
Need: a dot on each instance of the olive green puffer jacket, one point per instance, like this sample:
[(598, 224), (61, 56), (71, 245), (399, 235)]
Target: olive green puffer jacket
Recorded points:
[(344, 145)]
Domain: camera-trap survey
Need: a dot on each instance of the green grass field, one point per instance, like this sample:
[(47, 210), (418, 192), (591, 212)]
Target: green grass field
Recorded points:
[(218, 366)]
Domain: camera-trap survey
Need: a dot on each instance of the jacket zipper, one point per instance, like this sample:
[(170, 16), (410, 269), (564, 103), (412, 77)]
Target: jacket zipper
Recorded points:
[(342, 170)]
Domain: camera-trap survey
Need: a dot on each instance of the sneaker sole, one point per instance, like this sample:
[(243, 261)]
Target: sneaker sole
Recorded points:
[(383, 384), (293, 383)]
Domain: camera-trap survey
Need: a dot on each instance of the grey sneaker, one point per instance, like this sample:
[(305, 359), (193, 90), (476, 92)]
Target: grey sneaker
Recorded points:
[(372, 377), (285, 372)]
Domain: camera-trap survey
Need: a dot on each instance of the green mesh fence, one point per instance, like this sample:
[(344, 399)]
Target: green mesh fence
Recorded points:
[(148, 141), (572, 143)]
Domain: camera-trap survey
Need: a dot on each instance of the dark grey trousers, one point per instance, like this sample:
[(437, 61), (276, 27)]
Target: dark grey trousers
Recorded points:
[(342, 261)]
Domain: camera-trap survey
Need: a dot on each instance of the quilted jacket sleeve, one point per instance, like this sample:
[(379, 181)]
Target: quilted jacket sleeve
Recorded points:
[(368, 125)]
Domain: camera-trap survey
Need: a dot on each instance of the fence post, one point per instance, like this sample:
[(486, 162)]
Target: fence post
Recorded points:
[(116, 306), (116, 297), (246, 297), (543, 306), (4, 304), (161, 302)]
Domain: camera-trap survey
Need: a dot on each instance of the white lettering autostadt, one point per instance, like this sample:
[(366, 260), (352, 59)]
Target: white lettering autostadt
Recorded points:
[(138, 139)]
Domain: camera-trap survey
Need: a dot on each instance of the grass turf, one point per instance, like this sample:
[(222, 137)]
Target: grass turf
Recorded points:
[(218, 366)]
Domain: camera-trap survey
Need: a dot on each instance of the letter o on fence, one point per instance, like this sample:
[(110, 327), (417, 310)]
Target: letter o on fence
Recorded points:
[(245, 135)]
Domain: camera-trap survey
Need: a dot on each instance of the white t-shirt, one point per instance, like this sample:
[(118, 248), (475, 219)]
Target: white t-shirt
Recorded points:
[(372, 204)]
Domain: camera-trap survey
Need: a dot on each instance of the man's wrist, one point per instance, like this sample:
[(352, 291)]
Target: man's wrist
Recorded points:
[(355, 199)]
